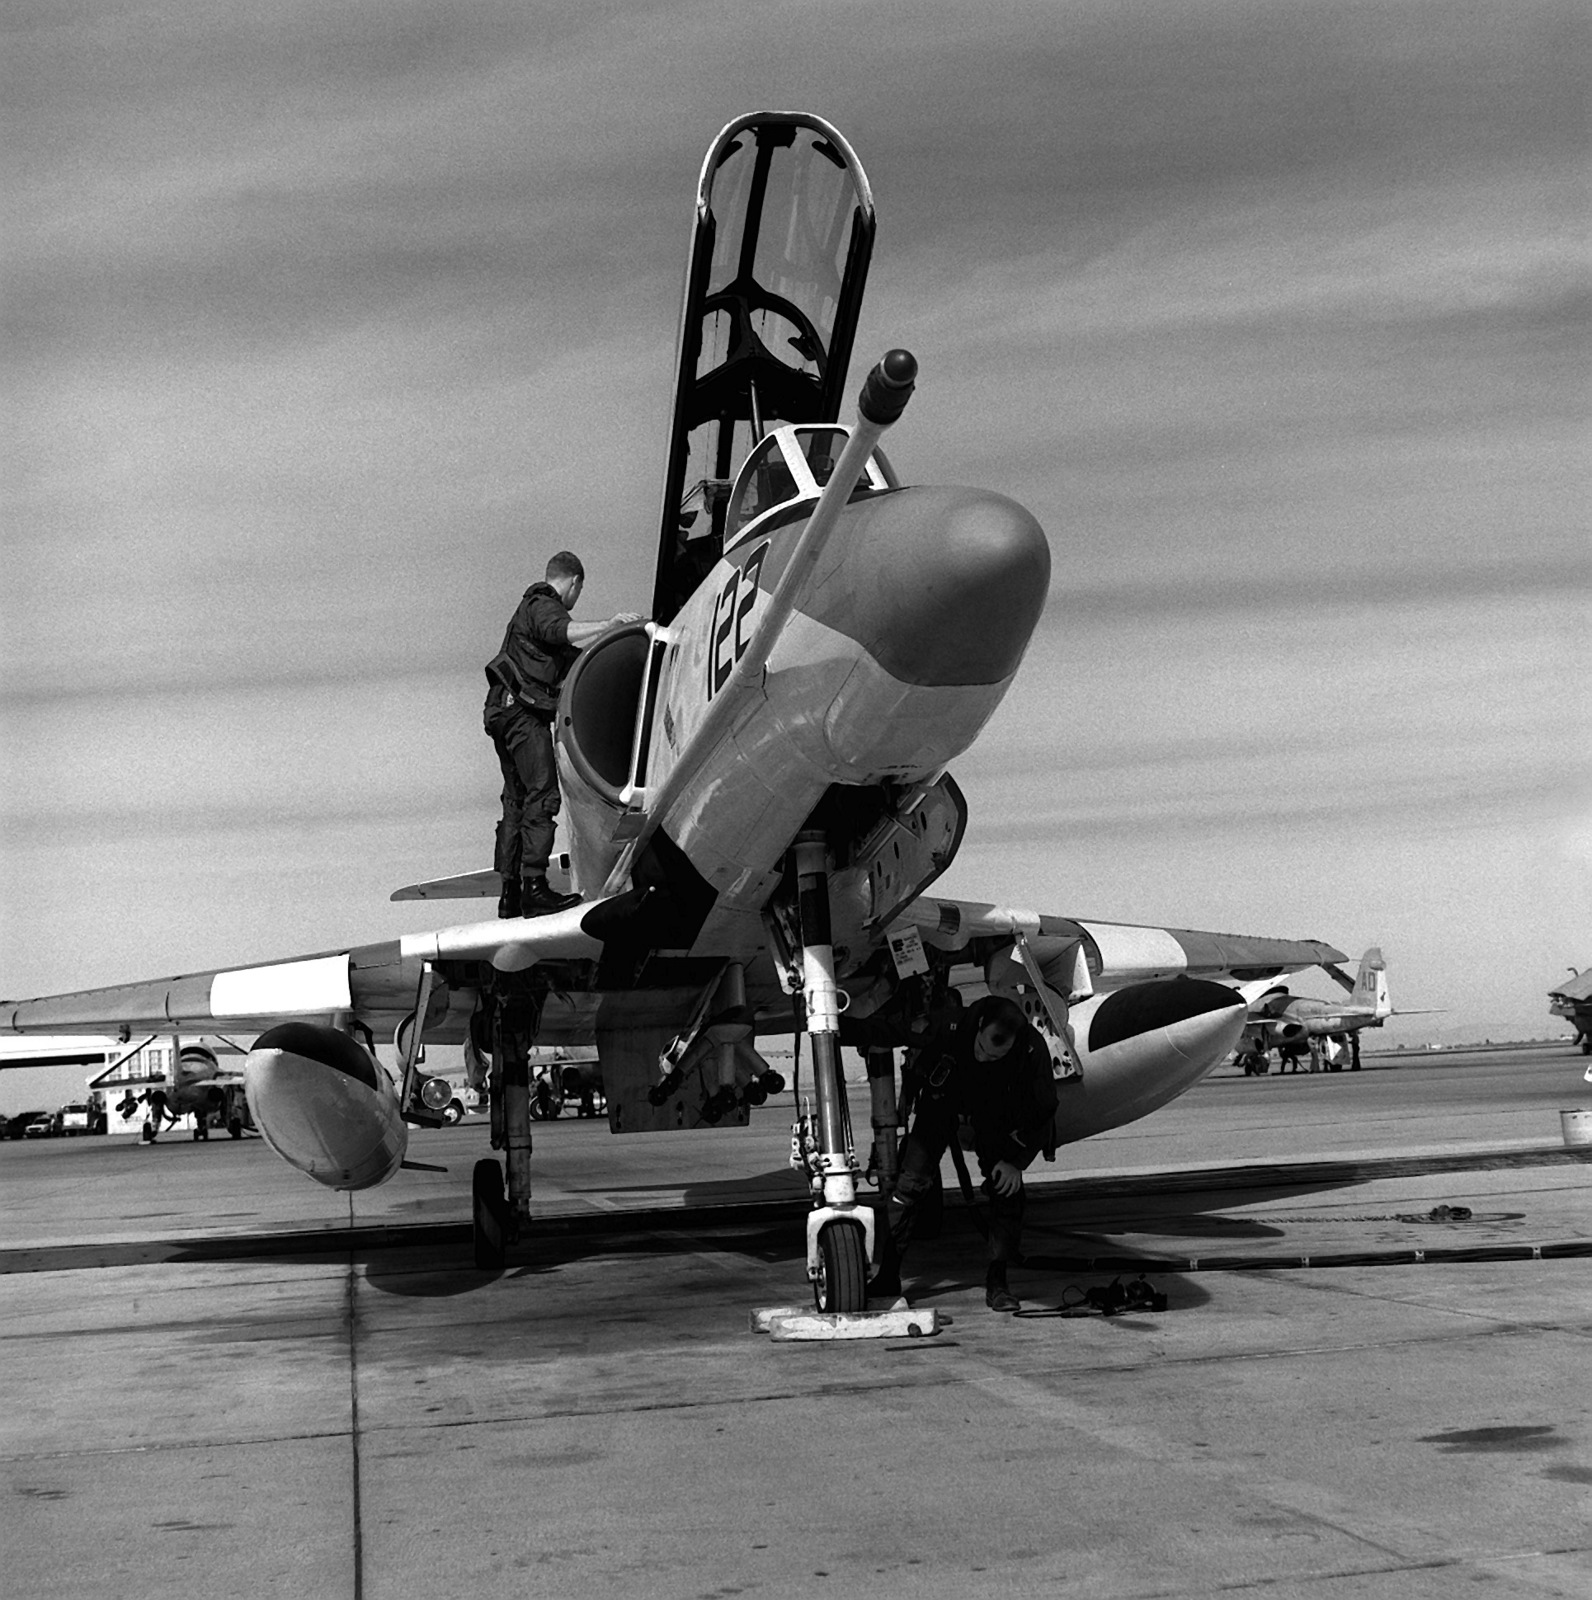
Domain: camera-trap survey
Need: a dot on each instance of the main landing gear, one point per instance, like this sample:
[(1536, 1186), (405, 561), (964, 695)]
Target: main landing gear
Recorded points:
[(500, 1213), (489, 1214), (839, 1232)]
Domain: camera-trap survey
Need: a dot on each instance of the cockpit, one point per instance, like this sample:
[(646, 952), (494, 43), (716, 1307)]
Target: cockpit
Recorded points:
[(779, 259), (790, 468)]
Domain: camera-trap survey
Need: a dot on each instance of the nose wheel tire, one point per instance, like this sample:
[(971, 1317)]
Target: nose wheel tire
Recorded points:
[(489, 1214), (842, 1283)]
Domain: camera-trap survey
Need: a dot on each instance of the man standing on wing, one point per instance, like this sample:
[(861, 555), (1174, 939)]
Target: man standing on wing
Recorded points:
[(539, 647)]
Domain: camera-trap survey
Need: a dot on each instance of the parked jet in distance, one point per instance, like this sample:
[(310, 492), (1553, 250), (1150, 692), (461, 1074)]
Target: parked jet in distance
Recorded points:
[(1572, 1000), (756, 792), (199, 1088), (1326, 1030)]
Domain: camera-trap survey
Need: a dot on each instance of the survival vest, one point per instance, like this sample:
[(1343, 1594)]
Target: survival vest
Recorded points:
[(526, 667)]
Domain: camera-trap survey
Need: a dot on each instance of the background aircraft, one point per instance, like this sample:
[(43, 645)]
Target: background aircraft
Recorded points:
[(199, 1087), (756, 791), (1572, 1000), (1325, 1030)]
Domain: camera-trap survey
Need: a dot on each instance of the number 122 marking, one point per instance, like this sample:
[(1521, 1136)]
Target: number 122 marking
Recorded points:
[(732, 610)]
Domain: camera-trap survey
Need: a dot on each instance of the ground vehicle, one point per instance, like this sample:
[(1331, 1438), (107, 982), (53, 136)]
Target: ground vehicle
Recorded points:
[(562, 1082), (17, 1123), (464, 1099), (41, 1126), (74, 1119)]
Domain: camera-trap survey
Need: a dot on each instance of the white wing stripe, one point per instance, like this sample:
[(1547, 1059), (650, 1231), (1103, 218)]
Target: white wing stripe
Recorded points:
[(304, 987)]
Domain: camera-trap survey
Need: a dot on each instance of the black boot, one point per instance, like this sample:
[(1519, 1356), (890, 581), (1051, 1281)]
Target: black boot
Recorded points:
[(537, 898), (509, 900), (885, 1284), (997, 1296)]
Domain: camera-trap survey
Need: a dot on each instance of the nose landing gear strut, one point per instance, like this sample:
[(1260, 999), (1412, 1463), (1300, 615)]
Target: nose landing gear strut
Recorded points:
[(840, 1233)]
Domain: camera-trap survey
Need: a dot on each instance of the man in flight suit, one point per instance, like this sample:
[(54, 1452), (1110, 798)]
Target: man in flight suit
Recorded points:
[(539, 647), (982, 1079)]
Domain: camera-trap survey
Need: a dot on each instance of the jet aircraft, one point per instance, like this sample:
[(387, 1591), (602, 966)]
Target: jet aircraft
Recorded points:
[(1295, 1024), (757, 793), (200, 1088), (1572, 1000)]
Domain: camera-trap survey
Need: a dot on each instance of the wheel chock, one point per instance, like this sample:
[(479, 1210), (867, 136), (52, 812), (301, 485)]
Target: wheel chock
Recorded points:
[(802, 1322)]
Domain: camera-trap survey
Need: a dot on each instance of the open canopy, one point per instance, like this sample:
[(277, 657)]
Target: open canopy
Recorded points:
[(779, 257)]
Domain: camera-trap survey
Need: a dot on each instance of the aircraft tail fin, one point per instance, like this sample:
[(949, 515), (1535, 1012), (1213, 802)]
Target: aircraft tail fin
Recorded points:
[(1370, 983)]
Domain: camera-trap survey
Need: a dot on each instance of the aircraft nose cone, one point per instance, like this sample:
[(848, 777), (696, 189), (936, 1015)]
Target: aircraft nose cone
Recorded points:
[(940, 586)]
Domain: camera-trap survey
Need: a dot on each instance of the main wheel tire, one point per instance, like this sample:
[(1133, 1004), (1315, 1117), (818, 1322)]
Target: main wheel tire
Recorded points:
[(842, 1268), (235, 1127), (488, 1213)]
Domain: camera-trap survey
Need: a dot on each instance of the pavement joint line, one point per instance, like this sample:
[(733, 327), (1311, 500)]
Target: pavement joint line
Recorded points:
[(352, 1304)]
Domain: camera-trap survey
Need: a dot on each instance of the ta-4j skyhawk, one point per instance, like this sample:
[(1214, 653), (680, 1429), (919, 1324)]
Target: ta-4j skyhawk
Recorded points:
[(756, 792)]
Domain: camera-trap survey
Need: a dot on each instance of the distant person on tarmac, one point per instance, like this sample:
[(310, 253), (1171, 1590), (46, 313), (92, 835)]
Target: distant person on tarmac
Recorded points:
[(983, 1080), (539, 647)]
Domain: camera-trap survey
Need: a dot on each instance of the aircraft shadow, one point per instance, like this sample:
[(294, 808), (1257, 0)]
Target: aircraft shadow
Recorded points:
[(1066, 1235), (780, 1183)]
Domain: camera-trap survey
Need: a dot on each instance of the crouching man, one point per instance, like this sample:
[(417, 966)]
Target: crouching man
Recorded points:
[(981, 1081)]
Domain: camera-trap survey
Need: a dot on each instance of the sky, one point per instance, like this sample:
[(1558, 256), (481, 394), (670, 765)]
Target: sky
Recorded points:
[(326, 323)]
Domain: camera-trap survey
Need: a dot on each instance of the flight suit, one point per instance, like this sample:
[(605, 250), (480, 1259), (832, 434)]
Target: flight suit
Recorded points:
[(1008, 1107), (521, 701)]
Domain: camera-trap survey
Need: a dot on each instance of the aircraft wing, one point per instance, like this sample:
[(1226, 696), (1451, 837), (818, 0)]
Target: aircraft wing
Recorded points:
[(780, 246), (483, 884), (1118, 953), (1258, 991), (376, 983), (1574, 990)]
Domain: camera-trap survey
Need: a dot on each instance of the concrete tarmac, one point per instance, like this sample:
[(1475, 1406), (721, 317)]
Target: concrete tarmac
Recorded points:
[(220, 1379)]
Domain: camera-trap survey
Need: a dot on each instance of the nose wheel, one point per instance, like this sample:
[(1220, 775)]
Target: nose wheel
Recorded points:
[(842, 1281)]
